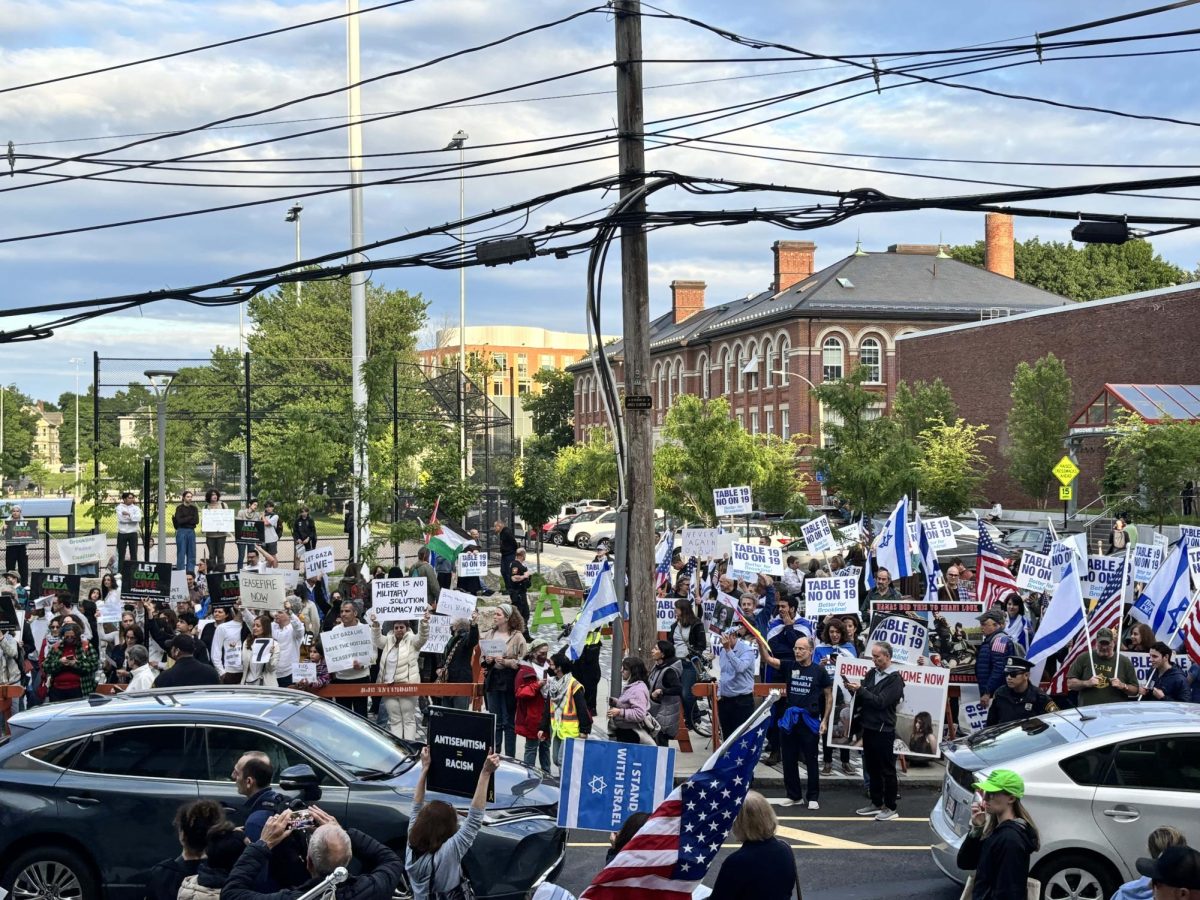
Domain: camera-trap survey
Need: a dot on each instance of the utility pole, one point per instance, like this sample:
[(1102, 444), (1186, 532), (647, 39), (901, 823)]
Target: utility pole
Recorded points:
[(635, 318), (358, 285)]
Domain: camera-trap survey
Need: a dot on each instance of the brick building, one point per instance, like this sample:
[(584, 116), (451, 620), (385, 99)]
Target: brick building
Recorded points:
[(1145, 338), (763, 351)]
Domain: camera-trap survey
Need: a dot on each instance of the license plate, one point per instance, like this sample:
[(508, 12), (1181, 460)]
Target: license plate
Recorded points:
[(951, 808)]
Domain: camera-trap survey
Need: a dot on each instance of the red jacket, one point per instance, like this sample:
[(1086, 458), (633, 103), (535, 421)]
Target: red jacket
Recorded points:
[(530, 702)]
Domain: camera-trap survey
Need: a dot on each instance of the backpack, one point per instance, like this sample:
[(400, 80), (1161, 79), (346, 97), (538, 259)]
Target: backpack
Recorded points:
[(461, 891)]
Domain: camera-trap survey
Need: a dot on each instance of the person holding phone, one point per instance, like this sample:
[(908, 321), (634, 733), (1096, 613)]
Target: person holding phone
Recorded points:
[(1001, 840)]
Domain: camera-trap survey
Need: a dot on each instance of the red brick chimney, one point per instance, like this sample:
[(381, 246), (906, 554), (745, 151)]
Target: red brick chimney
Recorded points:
[(793, 262), (687, 299), (998, 245)]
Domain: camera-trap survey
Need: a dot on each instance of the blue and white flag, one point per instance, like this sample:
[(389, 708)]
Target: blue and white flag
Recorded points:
[(1164, 601), (599, 607), (865, 528), (1063, 617), (605, 782), (892, 550), (930, 569)]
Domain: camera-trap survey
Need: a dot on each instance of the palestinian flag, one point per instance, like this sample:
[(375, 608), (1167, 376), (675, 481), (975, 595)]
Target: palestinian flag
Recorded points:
[(444, 542)]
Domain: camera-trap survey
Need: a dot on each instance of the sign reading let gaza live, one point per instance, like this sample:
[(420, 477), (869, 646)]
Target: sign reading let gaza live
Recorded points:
[(459, 741), (146, 580), (58, 584), (250, 531), (733, 501), (225, 588)]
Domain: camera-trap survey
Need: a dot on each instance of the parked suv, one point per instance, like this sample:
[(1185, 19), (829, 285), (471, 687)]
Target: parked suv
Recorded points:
[(88, 789), (586, 533)]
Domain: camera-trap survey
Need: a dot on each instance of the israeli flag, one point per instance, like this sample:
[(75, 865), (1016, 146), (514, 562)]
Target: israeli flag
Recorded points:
[(599, 608), (1164, 600), (930, 569), (1063, 618), (891, 550), (864, 526)]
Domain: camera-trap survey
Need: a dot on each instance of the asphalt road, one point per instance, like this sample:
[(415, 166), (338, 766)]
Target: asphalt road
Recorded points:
[(839, 854)]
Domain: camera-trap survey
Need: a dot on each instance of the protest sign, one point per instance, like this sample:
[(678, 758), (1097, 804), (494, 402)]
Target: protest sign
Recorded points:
[(146, 581), (733, 501), (818, 536), (590, 572), (439, 634), (854, 572), (848, 535), (262, 592), (224, 588), (250, 532), (493, 647), (1101, 569), (604, 782), (459, 743), (940, 533), (318, 561), (1141, 664), (345, 646), (291, 577), (472, 565), (1161, 542), (1147, 558), (23, 532), (179, 587), (920, 715), (1190, 534), (972, 714), (664, 613), (58, 584), (1193, 552), (399, 599), (725, 541), (109, 611), (920, 606), (304, 673), (85, 548), (723, 615), (1035, 573), (835, 596), (214, 521), (752, 559), (8, 615), (455, 604), (701, 543), (908, 637)]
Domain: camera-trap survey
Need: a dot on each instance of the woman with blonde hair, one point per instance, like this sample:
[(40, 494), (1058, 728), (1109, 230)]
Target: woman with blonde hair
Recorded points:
[(763, 868), (1001, 840), (500, 683), (1160, 839)]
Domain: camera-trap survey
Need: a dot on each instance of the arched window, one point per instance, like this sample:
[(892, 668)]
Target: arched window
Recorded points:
[(680, 377), (726, 373), (658, 386), (785, 361), (870, 355), (739, 362), (705, 373), (753, 363), (831, 359), (770, 362)]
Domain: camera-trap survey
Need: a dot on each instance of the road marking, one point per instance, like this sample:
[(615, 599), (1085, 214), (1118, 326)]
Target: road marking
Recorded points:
[(819, 818), (911, 848)]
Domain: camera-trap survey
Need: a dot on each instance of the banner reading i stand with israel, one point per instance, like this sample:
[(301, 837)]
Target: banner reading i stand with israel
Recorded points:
[(605, 782)]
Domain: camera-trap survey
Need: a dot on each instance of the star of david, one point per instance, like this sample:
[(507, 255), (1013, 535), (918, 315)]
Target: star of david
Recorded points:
[(597, 784)]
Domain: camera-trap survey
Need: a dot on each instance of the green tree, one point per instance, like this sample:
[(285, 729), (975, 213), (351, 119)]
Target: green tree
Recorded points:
[(553, 410), (588, 469), (919, 405), (867, 458), (535, 492), (1037, 424), (440, 479), (1152, 461), (952, 468), (19, 431), (1089, 272)]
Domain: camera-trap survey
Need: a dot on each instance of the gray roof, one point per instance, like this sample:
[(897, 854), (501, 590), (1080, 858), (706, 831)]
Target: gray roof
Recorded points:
[(876, 286)]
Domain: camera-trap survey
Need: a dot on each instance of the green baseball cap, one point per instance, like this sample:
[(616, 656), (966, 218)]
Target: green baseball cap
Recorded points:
[(1003, 781)]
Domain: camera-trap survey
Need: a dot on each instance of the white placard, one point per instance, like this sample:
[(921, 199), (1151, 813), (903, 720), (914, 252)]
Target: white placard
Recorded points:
[(263, 592), (318, 561), (920, 714), (834, 596), (854, 572), (1036, 574), (725, 541), (82, 549), (216, 520), (701, 543), (493, 647), (753, 559), (849, 535), (439, 634), (304, 673), (472, 565), (345, 646), (179, 588), (664, 612), (940, 533), (291, 577), (733, 501), (1161, 542), (590, 572), (914, 539), (1100, 570), (108, 611), (399, 599), (1193, 552), (818, 536), (908, 637), (455, 604), (1147, 558), (1190, 534)]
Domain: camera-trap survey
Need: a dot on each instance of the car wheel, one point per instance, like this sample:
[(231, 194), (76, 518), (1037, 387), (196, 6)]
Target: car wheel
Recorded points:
[(50, 873), (1075, 876), (583, 541), (557, 539)]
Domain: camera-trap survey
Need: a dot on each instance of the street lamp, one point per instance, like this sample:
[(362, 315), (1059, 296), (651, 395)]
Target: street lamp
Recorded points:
[(458, 142), (293, 215), (160, 380)]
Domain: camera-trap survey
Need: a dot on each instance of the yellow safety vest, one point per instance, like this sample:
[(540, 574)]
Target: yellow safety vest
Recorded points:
[(565, 720)]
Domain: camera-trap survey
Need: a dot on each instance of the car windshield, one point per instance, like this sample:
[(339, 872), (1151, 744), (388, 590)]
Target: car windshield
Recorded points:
[(589, 516), (354, 744), (1001, 745)]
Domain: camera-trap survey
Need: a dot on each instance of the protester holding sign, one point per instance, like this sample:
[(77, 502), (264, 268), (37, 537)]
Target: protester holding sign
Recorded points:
[(499, 683), (835, 643), (248, 513), (304, 530), (214, 538), (359, 670), (805, 721), (399, 663), (875, 701), (16, 530), (260, 654)]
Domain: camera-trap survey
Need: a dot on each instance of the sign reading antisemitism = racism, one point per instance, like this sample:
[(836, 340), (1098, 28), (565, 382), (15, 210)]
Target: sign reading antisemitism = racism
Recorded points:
[(603, 783), (459, 743), (733, 501), (834, 596), (818, 536), (145, 580), (751, 559)]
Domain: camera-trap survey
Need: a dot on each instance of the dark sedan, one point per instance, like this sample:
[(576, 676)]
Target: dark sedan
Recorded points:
[(88, 789)]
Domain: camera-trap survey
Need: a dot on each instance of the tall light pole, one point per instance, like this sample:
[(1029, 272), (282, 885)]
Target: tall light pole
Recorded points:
[(160, 380), (293, 215), (75, 360), (358, 284), (458, 142)]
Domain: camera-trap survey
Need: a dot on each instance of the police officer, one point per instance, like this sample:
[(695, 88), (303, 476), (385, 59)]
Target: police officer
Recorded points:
[(1017, 699)]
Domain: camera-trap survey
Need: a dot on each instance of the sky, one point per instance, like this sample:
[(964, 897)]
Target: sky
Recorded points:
[(692, 71)]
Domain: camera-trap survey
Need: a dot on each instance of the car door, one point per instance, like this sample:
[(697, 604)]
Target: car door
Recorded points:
[(1151, 782), (123, 789)]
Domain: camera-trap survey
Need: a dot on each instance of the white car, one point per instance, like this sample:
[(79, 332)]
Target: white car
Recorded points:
[(593, 532), (1098, 780)]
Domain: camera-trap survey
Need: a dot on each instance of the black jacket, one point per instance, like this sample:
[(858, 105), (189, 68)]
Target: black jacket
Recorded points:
[(876, 700), (759, 870), (508, 543), (186, 515), (162, 882), (1000, 861), (1173, 683), (381, 871), (1009, 706), (187, 672), (457, 656), (305, 530)]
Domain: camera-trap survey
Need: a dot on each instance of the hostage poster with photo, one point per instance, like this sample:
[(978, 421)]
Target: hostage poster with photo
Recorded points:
[(920, 716)]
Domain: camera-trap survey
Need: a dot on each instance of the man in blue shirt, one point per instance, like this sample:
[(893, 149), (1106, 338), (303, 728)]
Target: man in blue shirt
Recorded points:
[(735, 690), (804, 722)]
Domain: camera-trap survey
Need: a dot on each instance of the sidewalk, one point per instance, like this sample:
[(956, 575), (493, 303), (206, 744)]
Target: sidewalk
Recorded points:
[(921, 778)]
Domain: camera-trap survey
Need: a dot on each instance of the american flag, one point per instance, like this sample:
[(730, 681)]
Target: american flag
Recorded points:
[(1191, 633), (993, 579), (666, 547), (687, 571), (671, 853), (1107, 614)]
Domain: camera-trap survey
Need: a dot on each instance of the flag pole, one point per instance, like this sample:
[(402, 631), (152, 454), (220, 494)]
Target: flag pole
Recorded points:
[(1083, 608), (1121, 617), (1182, 619)]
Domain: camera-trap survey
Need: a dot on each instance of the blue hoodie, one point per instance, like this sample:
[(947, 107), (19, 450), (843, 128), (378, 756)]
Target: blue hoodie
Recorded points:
[(1135, 890)]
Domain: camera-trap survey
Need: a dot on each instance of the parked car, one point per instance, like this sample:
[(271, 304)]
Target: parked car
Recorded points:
[(1098, 780), (578, 506), (88, 789), (586, 533), (555, 531), (1036, 539)]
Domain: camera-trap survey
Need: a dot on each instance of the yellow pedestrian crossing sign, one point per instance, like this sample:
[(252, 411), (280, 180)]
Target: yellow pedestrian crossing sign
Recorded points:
[(1065, 471), (1064, 492)]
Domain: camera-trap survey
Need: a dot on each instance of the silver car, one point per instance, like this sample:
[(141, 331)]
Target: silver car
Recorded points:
[(1098, 780)]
